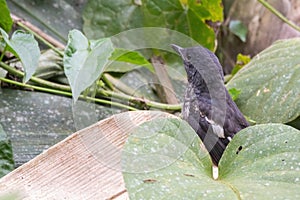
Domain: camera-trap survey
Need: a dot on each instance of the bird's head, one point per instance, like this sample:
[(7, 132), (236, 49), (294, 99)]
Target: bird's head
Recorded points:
[(200, 61)]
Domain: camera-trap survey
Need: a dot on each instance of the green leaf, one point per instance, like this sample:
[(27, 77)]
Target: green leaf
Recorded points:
[(263, 162), (84, 60), (125, 60), (162, 159), (5, 20), (241, 61), (234, 93), (198, 14), (50, 65), (270, 84), (106, 18), (6, 154), (26, 48), (239, 29)]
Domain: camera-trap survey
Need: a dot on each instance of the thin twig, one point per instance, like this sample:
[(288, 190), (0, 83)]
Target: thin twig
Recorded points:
[(232, 10), (121, 86), (48, 40), (279, 15), (163, 86)]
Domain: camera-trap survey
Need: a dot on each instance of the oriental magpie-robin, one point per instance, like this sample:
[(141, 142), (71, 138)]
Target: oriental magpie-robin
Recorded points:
[(207, 106)]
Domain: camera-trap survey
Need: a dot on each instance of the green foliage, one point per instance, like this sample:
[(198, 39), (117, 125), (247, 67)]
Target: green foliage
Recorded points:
[(6, 154), (50, 65), (262, 162), (241, 61), (162, 159), (125, 60), (26, 48), (106, 18), (239, 29), (5, 19), (84, 60), (234, 93), (270, 84)]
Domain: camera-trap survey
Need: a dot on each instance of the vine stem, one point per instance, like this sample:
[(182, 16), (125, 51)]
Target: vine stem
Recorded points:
[(153, 104), (55, 88), (65, 88), (278, 14), (53, 91), (39, 81)]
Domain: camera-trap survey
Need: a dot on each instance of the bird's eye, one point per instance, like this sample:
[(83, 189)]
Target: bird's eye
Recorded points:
[(188, 57)]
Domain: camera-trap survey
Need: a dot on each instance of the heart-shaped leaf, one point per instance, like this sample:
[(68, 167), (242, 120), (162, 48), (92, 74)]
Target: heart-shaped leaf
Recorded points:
[(270, 84), (263, 162), (26, 48), (162, 159), (84, 60)]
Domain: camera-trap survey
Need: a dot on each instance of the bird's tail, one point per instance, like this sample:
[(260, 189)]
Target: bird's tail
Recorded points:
[(215, 146)]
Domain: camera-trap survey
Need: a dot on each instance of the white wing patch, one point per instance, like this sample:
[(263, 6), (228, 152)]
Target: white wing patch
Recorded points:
[(217, 129)]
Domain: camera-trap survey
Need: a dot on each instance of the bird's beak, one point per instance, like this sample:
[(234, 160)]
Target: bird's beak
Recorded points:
[(178, 49)]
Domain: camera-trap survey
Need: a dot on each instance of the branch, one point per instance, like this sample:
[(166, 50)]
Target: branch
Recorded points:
[(46, 39), (279, 15), (163, 86), (121, 86)]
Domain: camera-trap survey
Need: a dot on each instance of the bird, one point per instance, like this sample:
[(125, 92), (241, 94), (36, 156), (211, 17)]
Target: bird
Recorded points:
[(208, 108)]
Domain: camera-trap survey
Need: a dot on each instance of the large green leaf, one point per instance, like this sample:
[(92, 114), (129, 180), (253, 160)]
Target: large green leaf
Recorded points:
[(198, 13), (84, 60), (263, 162), (5, 19), (270, 84), (162, 159), (6, 155), (106, 18), (26, 48)]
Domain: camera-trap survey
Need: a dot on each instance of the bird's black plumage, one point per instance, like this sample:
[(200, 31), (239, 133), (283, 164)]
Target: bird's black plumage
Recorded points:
[(208, 107)]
